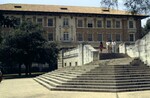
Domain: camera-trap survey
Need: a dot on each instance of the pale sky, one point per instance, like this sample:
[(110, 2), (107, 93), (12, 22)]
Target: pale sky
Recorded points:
[(91, 3)]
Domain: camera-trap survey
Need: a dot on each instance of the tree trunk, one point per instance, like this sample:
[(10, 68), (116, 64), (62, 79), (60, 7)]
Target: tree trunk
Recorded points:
[(19, 69), (26, 70), (30, 69)]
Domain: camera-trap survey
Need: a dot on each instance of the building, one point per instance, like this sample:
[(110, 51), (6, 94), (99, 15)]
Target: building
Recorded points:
[(70, 25)]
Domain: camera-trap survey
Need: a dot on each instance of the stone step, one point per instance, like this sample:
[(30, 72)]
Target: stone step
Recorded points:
[(121, 66), (104, 83), (116, 74), (104, 86), (66, 73), (112, 77), (102, 77), (43, 83), (110, 80), (83, 89), (119, 71), (100, 90), (54, 80), (105, 78), (62, 76)]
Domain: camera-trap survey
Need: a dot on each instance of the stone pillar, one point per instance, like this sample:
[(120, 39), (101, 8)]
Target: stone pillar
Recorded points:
[(60, 60)]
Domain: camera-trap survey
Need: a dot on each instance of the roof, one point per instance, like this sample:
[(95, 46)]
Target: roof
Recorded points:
[(61, 9)]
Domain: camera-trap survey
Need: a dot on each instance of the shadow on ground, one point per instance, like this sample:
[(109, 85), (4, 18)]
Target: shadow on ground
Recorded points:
[(15, 76)]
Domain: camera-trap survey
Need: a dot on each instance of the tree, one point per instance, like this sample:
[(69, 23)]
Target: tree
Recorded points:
[(146, 28), (133, 6), (109, 3), (2, 18), (27, 45), (8, 21)]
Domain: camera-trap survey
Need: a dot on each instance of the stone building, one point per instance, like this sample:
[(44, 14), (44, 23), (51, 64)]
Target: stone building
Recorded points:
[(70, 25)]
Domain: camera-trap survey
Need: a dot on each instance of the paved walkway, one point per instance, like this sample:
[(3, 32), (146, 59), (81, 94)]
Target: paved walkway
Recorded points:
[(28, 88)]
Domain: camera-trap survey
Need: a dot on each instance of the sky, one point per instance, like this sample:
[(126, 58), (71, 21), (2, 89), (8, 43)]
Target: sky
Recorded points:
[(90, 3)]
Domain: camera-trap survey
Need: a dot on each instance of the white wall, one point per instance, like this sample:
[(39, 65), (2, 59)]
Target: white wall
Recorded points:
[(140, 49), (90, 54), (79, 56)]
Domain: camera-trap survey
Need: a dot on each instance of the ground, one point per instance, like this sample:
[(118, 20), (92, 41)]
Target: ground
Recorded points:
[(28, 88)]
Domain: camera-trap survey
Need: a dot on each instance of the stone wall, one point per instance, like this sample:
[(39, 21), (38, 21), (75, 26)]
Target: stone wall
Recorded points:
[(79, 56), (140, 49)]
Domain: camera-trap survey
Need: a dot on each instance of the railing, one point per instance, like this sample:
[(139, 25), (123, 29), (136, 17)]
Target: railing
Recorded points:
[(140, 49), (71, 53)]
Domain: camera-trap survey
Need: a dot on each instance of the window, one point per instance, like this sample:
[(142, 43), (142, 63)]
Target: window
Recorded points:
[(65, 64), (40, 21), (66, 22), (99, 23), (70, 64), (80, 23), (17, 6), (108, 23), (66, 36), (76, 63), (79, 37), (109, 37), (90, 23), (118, 24), (64, 8), (118, 37), (131, 37), (100, 37), (90, 37), (50, 22), (131, 24), (50, 37)]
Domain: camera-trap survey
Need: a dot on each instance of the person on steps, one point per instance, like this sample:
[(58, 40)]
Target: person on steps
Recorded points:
[(101, 47)]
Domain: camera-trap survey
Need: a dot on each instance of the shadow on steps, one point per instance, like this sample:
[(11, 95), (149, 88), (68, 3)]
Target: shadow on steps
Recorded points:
[(104, 56)]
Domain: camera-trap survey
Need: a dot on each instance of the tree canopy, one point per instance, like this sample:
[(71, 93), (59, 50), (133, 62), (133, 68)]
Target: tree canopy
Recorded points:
[(146, 28), (133, 6), (27, 45), (8, 21)]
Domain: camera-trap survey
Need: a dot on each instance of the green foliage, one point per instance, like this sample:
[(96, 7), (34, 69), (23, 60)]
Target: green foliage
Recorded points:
[(146, 28), (1, 20), (8, 21), (109, 3), (137, 6), (26, 45), (133, 6)]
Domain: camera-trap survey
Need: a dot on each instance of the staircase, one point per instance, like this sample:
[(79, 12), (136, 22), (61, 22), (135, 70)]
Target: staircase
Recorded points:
[(109, 75)]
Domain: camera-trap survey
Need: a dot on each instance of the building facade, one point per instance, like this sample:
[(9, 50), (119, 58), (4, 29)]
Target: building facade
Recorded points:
[(71, 25)]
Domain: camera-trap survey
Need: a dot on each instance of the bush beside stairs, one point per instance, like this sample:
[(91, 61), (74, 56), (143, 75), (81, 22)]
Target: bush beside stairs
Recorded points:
[(116, 74)]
